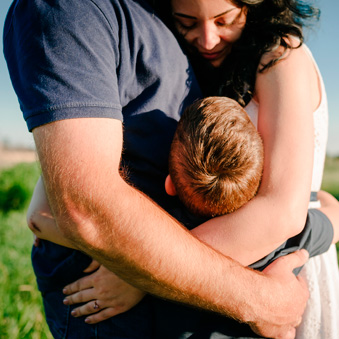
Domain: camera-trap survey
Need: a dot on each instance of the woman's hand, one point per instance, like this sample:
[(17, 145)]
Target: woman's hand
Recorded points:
[(104, 294), (40, 219)]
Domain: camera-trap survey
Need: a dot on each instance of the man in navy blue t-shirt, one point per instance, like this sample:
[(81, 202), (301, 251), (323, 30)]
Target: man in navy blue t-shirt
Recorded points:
[(102, 85)]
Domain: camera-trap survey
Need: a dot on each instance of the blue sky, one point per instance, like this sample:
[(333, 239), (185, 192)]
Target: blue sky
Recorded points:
[(322, 39)]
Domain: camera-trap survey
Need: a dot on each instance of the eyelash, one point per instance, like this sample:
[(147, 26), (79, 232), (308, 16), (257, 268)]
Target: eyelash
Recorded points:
[(186, 27), (224, 24), (192, 26)]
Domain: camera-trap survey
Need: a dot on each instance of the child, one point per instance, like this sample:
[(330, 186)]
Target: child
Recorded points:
[(215, 166), (216, 159), (215, 163)]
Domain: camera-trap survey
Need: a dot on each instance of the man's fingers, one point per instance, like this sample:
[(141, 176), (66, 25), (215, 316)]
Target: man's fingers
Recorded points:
[(79, 285), (290, 334), (290, 261), (302, 282), (285, 334), (278, 332), (298, 258)]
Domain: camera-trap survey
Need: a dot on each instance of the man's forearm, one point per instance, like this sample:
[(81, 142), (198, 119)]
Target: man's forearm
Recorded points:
[(120, 227), (129, 234), (149, 249)]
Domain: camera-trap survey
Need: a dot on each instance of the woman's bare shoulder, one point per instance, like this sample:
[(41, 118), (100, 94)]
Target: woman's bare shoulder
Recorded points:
[(294, 69), (280, 53)]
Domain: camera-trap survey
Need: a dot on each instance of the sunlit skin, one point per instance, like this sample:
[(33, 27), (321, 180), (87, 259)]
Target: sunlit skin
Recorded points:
[(210, 27)]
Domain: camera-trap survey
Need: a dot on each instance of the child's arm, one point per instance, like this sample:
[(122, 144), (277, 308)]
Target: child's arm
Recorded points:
[(40, 219), (279, 210), (330, 206), (228, 245)]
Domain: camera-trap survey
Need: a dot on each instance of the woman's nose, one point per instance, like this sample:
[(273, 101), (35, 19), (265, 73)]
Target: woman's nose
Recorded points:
[(208, 36)]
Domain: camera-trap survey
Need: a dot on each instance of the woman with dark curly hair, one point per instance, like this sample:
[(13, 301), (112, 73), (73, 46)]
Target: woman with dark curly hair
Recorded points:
[(258, 28), (253, 52)]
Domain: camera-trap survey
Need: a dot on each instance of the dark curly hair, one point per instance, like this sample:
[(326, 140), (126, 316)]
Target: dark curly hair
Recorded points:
[(268, 23)]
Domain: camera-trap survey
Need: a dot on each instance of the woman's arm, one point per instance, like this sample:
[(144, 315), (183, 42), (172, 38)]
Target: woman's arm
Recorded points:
[(80, 160), (330, 206), (287, 93), (40, 219)]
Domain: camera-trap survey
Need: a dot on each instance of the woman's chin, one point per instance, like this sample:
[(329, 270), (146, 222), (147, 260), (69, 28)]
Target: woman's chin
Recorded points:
[(216, 63)]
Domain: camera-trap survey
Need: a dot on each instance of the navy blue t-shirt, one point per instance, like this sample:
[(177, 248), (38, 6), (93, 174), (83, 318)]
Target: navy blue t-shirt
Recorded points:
[(106, 59)]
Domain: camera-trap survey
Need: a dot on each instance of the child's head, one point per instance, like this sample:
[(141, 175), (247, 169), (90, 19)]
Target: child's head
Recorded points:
[(216, 158)]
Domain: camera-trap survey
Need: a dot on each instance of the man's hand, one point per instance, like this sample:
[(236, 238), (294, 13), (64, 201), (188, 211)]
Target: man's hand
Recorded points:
[(92, 203), (104, 294), (289, 298)]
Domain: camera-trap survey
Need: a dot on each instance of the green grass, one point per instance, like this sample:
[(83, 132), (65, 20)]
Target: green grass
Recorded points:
[(16, 186), (331, 180), (21, 312), (331, 176)]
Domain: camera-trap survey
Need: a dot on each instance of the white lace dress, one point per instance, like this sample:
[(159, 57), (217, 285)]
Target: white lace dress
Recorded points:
[(321, 317)]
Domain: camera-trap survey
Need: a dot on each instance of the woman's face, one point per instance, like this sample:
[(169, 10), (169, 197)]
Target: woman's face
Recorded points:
[(210, 26)]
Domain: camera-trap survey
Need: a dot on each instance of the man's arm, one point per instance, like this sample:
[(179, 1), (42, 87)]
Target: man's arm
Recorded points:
[(112, 222)]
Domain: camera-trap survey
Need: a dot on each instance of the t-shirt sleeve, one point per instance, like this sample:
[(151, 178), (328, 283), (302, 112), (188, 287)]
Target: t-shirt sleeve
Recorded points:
[(316, 238), (62, 57), (321, 232)]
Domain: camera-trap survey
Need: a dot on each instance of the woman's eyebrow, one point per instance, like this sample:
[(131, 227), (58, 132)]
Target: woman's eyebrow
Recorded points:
[(182, 15), (229, 10)]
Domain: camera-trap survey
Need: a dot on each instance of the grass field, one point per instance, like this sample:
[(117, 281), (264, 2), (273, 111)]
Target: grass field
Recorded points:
[(21, 313), (331, 180), (331, 176)]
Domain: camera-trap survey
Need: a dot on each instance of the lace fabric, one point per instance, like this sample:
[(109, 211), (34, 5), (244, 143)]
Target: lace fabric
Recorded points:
[(321, 317)]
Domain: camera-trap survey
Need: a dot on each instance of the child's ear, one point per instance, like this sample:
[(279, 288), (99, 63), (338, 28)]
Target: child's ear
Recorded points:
[(169, 187)]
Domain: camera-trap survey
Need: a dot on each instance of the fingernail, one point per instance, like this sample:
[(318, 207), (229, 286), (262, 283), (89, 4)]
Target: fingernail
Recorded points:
[(87, 320), (305, 253), (291, 334), (64, 291), (65, 301), (73, 313)]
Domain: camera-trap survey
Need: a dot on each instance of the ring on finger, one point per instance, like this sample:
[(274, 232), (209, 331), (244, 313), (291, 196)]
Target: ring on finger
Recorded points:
[(96, 305)]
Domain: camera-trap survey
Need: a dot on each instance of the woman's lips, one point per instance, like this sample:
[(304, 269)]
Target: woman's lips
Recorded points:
[(211, 56)]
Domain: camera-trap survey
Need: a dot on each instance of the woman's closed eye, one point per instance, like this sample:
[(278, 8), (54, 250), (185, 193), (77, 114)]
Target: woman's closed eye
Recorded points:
[(226, 22), (186, 24), (223, 23)]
